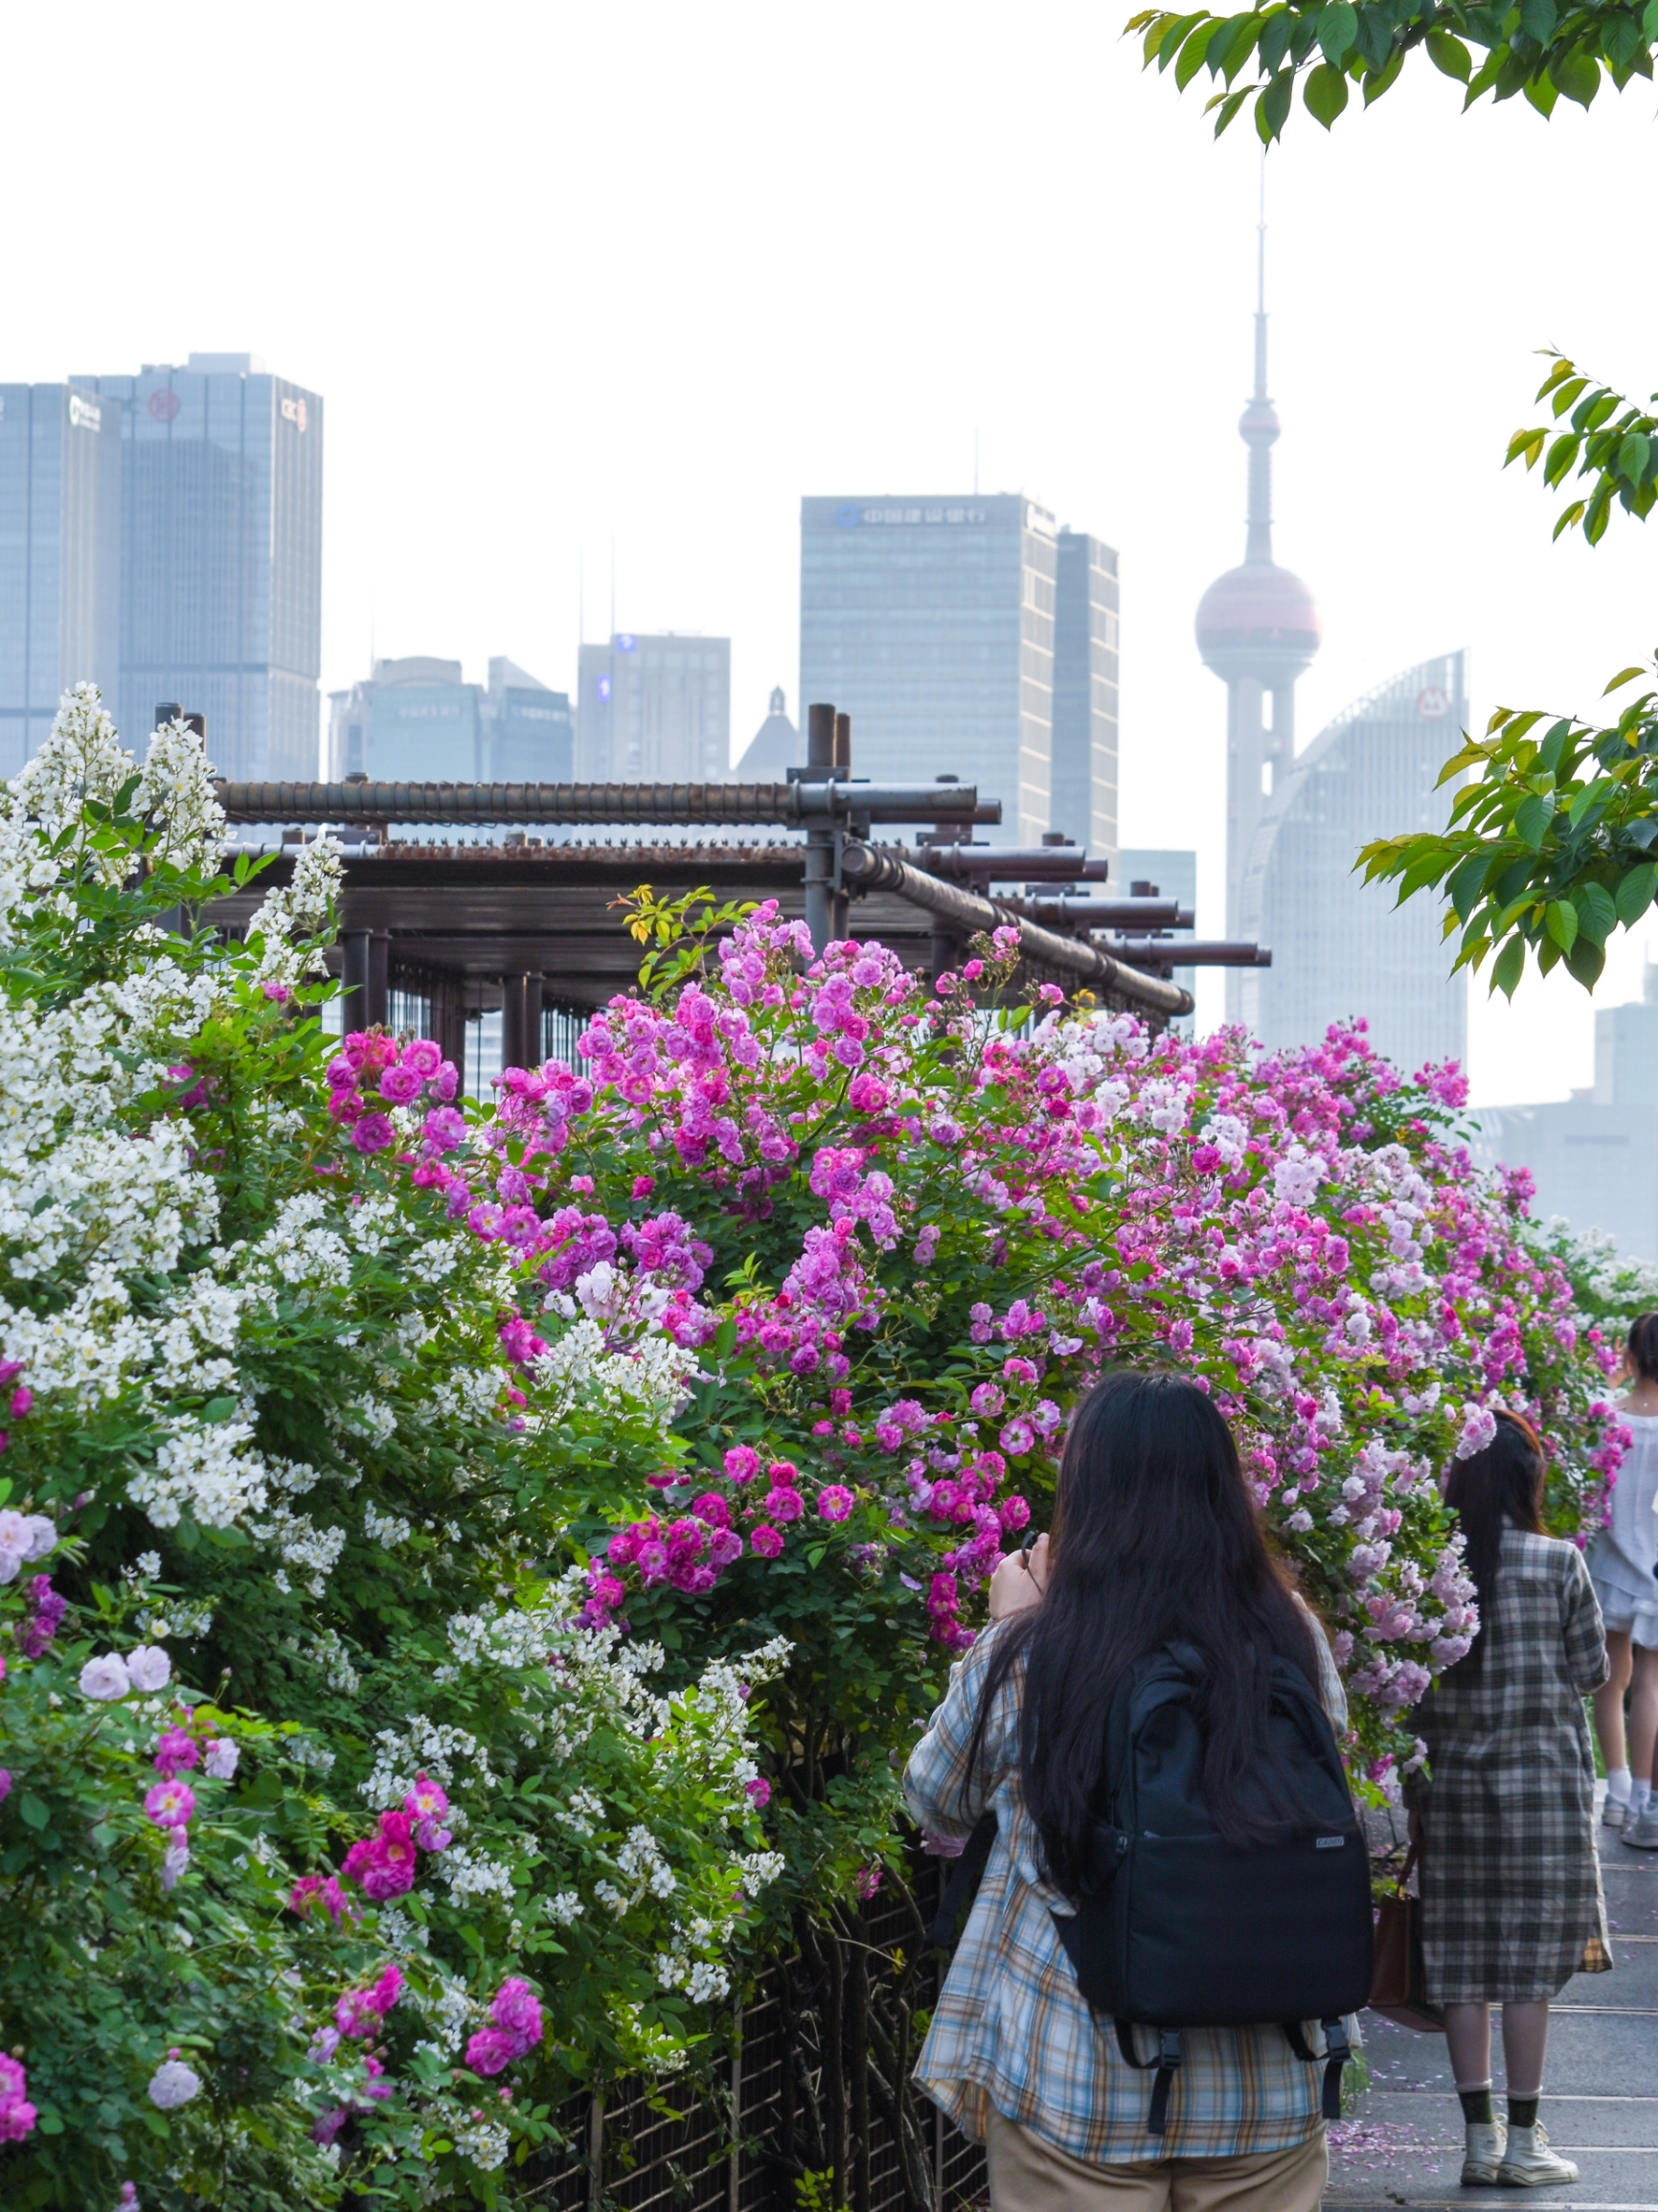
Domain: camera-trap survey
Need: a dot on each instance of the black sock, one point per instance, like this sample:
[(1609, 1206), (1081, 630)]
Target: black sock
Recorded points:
[(1523, 2111), (1476, 2104)]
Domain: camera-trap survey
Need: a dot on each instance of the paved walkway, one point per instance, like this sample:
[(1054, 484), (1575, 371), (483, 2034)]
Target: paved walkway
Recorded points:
[(1403, 2146)]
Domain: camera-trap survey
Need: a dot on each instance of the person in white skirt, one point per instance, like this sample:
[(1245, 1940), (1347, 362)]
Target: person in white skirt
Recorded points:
[(1623, 1565)]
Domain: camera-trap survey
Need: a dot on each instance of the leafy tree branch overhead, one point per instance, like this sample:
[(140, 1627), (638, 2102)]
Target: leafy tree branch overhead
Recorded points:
[(1541, 49), (1549, 845)]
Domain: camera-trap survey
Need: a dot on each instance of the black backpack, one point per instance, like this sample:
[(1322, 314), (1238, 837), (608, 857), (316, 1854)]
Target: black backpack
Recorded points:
[(1173, 1929)]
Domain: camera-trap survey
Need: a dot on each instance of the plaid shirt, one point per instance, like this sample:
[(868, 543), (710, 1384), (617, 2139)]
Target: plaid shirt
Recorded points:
[(1011, 2030)]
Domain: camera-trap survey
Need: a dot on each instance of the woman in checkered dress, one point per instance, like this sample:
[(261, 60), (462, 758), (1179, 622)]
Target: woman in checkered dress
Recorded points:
[(1511, 1884)]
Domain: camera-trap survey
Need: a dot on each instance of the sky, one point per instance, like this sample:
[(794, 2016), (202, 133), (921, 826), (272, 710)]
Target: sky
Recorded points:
[(595, 291)]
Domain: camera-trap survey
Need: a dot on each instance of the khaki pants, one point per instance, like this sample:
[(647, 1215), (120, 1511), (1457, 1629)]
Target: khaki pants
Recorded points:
[(1028, 2175)]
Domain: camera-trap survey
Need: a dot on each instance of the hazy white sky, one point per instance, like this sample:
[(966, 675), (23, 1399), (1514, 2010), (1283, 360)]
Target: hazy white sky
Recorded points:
[(638, 276)]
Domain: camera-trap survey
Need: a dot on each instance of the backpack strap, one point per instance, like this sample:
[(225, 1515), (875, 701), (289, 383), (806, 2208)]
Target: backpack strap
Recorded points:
[(1167, 2064), (1336, 2052), (962, 1886)]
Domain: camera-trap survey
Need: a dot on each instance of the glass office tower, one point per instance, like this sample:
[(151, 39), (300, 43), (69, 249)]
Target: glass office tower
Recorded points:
[(1341, 946), (59, 556), (654, 710), (1083, 803), (931, 622), (222, 557)]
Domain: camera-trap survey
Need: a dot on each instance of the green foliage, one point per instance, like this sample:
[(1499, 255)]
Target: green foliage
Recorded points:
[(1550, 846), (1608, 440), (1538, 48)]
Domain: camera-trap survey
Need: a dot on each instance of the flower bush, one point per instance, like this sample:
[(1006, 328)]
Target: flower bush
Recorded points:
[(470, 1574)]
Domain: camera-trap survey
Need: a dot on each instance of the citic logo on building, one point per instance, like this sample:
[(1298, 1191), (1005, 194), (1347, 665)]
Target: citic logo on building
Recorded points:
[(163, 404), (1432, 704), (84, 414), (294, 411)]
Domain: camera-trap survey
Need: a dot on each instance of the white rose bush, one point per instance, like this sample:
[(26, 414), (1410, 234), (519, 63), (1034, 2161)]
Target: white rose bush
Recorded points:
[(470, 1574)]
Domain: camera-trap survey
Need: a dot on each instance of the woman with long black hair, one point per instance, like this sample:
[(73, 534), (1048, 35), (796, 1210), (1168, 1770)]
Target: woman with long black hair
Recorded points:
[(1504, 1814), (1155, 1541)]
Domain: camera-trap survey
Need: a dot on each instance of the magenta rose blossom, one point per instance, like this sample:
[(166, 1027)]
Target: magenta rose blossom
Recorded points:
[(765, 1540), (373, 1133), (835, 1501), (784, 1505)]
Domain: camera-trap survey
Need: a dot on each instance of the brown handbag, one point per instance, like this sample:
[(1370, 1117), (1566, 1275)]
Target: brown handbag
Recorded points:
[(1397, 1986)]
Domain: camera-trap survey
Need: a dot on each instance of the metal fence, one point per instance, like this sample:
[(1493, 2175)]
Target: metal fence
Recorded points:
[(811, 2106)]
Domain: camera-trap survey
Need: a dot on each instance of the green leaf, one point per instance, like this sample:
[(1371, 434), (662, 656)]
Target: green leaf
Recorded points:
[(33, 1812), (1585, 960), (1538, 19), (1634, 893), (1192, 52), (1597, 915), (1468, 881), (1578, 74), (1337, 30), (1506, 969), (1633, 456), (1623, 677), (1324, 93), (1378, 80), (1532, 819), (1448, 53), (1273, 105), (216, 1410), (1561, 918), (1542, 94)]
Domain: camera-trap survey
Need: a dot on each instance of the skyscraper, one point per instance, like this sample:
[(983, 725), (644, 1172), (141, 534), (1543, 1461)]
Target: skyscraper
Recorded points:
[(415, 721), (1341, 946), (654, 710), (222, 557), (1257, 628), (1083, 799), (932, 624), (59, 556)]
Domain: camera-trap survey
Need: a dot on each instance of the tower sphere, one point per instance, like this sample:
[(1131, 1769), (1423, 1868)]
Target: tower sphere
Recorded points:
[(1258, 621)]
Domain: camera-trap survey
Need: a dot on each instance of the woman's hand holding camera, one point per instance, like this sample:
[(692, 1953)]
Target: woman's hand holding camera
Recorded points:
[(1019, 1580)]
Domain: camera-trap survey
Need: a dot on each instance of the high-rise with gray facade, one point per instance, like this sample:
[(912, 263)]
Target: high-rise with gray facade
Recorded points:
[(59, 556), (654, 710), (222, 557), (968, 636), (1341, 946), (1082, 803), (415, 721)]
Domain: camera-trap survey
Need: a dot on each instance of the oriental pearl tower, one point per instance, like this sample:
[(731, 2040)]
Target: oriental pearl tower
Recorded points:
[(1257, 628)]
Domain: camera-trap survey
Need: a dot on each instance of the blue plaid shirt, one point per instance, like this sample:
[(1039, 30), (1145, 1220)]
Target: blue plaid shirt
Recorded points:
[(1011, 2031)]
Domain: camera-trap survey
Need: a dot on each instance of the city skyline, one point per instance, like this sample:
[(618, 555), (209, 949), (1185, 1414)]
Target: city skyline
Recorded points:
[(481, 465)]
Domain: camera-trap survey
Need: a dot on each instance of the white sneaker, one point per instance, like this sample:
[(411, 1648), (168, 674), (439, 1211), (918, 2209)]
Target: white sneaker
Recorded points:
[(1486, 2141), (1529, 2163), (1643, 1834), (1616, 1811)]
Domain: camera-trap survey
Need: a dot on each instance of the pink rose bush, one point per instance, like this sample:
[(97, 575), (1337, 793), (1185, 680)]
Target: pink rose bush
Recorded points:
[(487, 1560)]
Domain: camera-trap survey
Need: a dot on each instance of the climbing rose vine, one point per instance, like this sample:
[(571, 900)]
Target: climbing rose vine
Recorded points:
[(469, 1572)]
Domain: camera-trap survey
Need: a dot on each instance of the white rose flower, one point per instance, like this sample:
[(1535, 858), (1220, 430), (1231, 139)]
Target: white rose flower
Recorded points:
[(105, 1677), (149, 1667), (173, 2083)]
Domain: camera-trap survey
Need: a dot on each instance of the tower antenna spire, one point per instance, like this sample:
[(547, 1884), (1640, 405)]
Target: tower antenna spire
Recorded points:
[(1261, 287), (1258, 428)]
